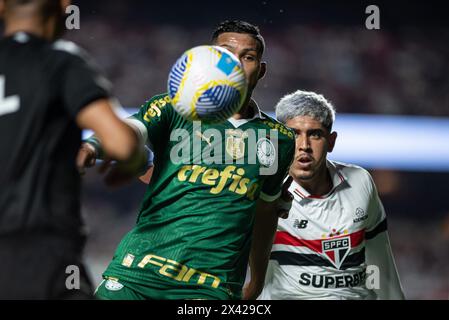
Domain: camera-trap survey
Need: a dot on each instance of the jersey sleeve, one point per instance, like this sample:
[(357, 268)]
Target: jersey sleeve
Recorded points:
[(380, 256), (155, 120), (377, 220), (378, 250), (81, 82), (271, 189)]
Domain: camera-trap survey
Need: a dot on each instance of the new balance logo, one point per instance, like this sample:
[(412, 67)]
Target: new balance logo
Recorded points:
[(300, 224)]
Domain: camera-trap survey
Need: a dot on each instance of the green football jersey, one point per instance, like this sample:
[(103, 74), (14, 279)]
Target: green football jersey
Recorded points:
[(195, 222)]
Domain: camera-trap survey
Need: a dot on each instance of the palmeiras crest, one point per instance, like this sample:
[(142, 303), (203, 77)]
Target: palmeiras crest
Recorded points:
[(235, 143)]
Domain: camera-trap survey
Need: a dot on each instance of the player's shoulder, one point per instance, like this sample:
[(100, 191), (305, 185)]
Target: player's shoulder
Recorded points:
[(154, 107), (157, 101), (39, 48), (68, 49), (285, 133), (354, 173), (63, 52)]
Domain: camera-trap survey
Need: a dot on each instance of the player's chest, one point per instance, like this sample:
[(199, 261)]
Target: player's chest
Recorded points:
[(337, 215), (248, 151)]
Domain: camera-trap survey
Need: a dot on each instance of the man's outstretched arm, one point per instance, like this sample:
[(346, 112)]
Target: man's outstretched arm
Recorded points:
[(119, 140), (264, 230)]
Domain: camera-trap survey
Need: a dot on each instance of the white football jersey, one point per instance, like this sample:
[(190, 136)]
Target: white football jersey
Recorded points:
[(321, 251)]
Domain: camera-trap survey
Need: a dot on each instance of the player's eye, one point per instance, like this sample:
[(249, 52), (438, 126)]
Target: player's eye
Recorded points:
[(316, 134), (297, 133), (249, 58)]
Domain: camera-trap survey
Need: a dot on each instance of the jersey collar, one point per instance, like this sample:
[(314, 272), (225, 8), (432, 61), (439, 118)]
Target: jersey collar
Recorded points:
[(337, 179), (257, 115)]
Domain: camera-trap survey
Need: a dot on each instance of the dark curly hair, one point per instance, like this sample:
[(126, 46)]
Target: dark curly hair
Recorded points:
[(239, 26)]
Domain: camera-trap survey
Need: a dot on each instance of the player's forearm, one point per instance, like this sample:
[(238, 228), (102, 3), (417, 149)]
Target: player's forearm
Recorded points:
[(135, 139), (263, 235), (129, 143), (102, 149), (112, 135), (95, 145)]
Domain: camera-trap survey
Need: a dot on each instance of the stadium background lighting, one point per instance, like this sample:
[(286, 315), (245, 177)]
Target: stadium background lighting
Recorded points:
[(409, 143)]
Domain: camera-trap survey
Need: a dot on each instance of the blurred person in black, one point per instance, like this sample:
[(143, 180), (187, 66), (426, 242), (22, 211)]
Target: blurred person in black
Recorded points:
[(48, 91)]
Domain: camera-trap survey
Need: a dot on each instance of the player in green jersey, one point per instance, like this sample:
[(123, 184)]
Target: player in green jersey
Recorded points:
[(210, 185)]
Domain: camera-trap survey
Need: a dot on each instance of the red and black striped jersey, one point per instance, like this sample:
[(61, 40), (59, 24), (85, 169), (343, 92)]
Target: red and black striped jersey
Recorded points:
[(320, 250)]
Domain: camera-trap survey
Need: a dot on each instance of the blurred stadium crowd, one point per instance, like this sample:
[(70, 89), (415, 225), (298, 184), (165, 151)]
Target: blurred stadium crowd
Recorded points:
[(361, 71), (402, 71)]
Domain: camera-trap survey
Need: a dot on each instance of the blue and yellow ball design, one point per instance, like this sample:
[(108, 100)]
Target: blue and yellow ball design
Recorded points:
[(207, 83)]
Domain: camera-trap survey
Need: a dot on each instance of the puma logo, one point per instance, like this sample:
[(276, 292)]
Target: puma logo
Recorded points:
[(200, 135)]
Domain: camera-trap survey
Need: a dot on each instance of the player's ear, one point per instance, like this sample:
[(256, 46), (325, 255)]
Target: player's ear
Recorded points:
[(332, 139), (263, 70)]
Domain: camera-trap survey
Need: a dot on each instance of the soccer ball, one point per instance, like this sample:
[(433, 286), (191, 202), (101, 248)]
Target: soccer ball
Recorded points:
[(207, 83)]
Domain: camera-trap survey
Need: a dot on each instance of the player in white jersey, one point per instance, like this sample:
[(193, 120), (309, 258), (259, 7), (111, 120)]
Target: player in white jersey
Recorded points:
[(334, 244)]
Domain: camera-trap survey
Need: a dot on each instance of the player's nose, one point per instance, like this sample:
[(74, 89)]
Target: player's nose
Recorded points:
[(302, 143)]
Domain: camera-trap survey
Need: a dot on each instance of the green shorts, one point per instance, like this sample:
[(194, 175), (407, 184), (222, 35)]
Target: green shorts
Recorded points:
[(114, 289)]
